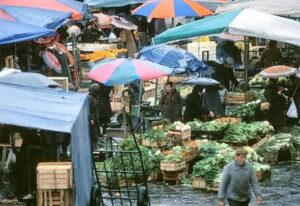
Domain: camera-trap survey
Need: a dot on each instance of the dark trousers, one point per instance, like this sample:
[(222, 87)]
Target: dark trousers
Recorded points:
[(238, 203)]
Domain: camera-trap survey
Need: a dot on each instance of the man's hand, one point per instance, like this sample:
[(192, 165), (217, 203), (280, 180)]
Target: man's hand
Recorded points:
[(258, 200), (221, 203)]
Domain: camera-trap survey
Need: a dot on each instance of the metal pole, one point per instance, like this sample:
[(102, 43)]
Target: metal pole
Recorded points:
[(246, 60), (156, 92)]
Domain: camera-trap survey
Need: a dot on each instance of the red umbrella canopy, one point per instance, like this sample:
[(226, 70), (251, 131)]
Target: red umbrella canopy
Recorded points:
[(75, 7), (4, 15), (278, 71)]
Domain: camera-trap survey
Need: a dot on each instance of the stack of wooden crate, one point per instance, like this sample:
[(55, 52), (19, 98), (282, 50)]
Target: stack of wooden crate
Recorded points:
[(55, 184)]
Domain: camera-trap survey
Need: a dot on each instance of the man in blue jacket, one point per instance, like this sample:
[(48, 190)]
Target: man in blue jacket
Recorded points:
[(237, 180)]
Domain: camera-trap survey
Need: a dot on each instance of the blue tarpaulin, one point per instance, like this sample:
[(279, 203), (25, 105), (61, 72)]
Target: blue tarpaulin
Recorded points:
[(112, 3), (37, 17), (58, 111), (12, 32)]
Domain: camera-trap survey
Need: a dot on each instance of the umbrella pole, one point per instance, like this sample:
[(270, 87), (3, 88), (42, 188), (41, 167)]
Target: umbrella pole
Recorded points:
[(246, 61), (156, 92)]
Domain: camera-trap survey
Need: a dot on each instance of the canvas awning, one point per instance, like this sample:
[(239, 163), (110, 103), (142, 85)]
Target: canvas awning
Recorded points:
[(58, 111)]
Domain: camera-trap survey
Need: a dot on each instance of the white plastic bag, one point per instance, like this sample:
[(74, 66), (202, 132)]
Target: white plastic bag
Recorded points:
[(112, 38), (11, 158), (292, 112)]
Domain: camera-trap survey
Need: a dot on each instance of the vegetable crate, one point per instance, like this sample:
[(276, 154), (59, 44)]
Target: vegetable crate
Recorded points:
[(199, 183), (54, 175), (154, 143), (237, 98), (190, 154), (119, 180), (271, 158), (262, 175), (174, 176), (229, 120), (172, 166), (55, 197), (214, 187), (184, 135), (155, 176)]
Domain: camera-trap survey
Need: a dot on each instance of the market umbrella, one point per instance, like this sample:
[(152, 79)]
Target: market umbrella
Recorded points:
[(28, 79), (35, 16), (278, 71), (245, 22), (51, 61), (106, 20), (171, 8), (12, 32), (122, 71), (78, 9), (178, 59), (203, 81)]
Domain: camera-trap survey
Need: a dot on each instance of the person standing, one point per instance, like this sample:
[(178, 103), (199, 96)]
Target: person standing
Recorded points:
[(104, 107), (171, 103), (237, 178), (271, 56), (224, 74), (93, 113), (127, 39), (194, 109)]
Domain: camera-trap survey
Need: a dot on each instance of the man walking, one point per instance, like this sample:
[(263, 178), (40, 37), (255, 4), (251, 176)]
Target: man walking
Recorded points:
[(237, 178)]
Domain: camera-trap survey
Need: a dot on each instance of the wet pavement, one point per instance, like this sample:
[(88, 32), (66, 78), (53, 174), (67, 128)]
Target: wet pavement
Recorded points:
[(282, 189)]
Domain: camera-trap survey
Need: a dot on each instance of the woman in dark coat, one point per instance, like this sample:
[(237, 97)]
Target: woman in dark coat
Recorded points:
[(93, 113), (171, 103), (274, 95), (194, 109), (104, 107)]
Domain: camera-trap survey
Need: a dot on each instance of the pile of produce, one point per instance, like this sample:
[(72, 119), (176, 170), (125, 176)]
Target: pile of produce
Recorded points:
[(174, 156), (258, 95), (257, 80), (211, 126), (245, 111), (275, 143), (179, 126), (129, 162), (216, 156), (242, 133), (155, 135), (99, 55)]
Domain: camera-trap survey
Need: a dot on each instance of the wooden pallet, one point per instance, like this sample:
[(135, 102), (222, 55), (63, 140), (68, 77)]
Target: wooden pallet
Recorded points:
[(55, 197), (174, 176), (153, 143), (54, 175), (172, 166)]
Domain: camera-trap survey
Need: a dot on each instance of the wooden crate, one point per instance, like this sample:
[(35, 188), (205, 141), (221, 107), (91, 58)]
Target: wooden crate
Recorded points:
[(55, 197), (120, 183), (229, 120), (199, 183), (54, 175), (153, 143), (185, 135), (172, 166), (271, 158), (174, 176), (189, 154), (213, 188), (63, 81), (262, 175), (155, 176), (237, 98)]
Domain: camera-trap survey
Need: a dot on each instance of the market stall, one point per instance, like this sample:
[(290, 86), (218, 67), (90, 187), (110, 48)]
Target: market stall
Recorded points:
[(58, 111)]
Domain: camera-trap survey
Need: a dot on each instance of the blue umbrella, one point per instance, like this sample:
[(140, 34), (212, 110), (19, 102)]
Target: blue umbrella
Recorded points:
[(29, 79), (37, 17), (12, 32), (178, 59), (203, 81)]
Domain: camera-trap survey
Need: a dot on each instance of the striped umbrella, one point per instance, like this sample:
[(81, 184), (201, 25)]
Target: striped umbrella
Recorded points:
[(171, 8), (122, 71), (51, 61), (278, 71)]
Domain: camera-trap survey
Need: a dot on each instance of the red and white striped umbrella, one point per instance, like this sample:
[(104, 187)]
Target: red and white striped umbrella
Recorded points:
[(278, 71)]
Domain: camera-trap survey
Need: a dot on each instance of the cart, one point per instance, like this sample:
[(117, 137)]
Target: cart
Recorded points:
[(125, 185)]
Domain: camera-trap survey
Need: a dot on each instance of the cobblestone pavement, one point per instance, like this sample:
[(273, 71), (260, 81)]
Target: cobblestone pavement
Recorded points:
[(283, 189)]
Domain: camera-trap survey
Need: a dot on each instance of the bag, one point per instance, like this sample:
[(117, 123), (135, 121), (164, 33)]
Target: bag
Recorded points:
[(112, 37), (11, 158), (292, 112)]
